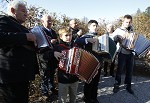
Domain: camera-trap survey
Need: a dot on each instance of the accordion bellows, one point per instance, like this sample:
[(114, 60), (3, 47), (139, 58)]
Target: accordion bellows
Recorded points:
[(137, 43), (105, 45), (142, 46), (79, 62), (102, 44)]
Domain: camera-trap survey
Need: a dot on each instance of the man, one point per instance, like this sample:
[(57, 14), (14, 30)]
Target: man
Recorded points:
[(47, 24), (86, 41), (18, 61), (110, 30), (51, 65), (125, 56), (76, 32)]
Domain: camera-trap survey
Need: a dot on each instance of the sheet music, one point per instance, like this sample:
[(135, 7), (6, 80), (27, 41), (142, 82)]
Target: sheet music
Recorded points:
[(41, 40)]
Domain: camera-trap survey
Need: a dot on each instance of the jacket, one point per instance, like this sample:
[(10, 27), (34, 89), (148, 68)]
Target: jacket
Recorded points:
[(18, 60), (64, 77)]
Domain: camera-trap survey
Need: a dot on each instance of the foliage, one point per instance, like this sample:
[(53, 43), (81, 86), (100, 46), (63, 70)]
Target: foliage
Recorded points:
[(34, 15), (141, 24)]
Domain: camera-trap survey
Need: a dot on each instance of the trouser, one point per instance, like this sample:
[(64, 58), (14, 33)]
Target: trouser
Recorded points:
[(47, 82), (90, 90), (64, 89), (125, 61), (111, 67), (14, 92)]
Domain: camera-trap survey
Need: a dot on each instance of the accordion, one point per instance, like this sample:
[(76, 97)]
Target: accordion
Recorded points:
[(79, 62), (137, 43), (43, 40), (101, 44), (105, 44), (130, 40)]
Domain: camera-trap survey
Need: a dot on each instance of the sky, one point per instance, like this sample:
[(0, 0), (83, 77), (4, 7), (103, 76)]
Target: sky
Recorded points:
[(92, 9)]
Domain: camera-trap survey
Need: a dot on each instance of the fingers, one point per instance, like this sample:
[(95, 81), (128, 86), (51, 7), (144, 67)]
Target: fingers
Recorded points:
[(57, 55), (53, 41), (79, 32), (31, 37)]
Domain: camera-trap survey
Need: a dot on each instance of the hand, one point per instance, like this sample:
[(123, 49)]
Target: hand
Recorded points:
[(57, 55), (31, 37), (91, 40), (53, 41), (120, 39), (79, 32)]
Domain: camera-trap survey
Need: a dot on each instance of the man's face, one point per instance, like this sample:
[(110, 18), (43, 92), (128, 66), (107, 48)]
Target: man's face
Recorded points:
[(47, 22), (110, 29), (93, 27), (74, 24), (21, 13), (127, 22)]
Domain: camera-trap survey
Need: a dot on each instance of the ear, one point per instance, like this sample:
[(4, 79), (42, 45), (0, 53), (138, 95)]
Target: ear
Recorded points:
[(12, 10)]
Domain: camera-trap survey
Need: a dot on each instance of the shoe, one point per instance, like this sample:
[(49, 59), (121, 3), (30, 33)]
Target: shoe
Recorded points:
[(130, 90), (116, 88)]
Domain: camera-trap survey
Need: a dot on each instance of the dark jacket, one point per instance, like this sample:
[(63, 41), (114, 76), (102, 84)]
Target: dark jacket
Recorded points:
[(64, 77), (47, 59), (74, 33), (50, 33), (17, 55), (81, 42)]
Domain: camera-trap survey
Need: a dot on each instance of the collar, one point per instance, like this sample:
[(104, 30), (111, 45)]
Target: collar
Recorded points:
[(124, 29), (93, 33)]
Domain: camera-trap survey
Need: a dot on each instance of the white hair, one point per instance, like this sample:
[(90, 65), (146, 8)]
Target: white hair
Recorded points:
[(72, 21), (109, 26), (15, 4)]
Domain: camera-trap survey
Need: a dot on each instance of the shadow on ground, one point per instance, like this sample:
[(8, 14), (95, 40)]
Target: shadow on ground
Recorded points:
[(140, 85)]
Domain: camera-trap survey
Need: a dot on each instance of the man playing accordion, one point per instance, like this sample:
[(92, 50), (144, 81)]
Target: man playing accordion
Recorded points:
[(86, 41), (125, 56)]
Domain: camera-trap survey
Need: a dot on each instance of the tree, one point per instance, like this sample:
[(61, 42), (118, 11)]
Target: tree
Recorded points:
[(138, 11), (147, 11)]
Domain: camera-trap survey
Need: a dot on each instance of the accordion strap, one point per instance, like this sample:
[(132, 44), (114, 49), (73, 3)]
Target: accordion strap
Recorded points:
[(64, 46)]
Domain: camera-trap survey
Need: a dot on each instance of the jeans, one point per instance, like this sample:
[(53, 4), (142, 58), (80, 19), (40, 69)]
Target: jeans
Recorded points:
[(125, 61)]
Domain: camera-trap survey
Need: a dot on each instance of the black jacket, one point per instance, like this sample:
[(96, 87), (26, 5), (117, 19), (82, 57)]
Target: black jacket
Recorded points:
[(17, 55), (46, 57), (81, 42), (52, 34), (74, 33), (64, 77)]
